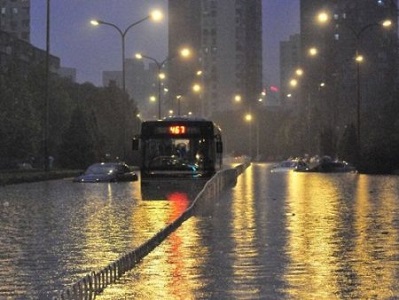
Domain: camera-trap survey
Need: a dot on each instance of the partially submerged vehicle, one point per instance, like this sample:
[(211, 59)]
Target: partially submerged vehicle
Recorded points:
[(327, 165), (290, 165), (107, 172)]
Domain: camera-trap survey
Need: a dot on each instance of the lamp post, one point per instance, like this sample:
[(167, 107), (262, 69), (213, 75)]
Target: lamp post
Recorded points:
[(359, 59), (154, 15), (46, 104), (159, 76), (324, 18), (160, 64), (178, 98), (249, 118), (196, 88)]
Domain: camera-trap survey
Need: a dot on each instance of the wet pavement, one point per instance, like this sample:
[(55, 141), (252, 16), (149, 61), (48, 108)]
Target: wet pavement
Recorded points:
[(281, 236), (272, 236)]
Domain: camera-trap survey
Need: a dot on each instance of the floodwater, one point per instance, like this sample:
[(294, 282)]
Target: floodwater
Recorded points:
[(281, 236), (272, 236)]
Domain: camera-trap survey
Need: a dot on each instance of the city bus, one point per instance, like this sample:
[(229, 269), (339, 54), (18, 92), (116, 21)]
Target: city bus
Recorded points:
[(179, 148)]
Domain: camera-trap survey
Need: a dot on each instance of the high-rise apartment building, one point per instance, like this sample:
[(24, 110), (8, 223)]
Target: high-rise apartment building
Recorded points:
[(337, 90), (226, 39), (15, 18), (290, 57)]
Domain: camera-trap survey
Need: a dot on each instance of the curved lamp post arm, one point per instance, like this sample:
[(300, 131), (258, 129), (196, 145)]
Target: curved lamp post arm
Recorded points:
[(99, 22), (134, 24)]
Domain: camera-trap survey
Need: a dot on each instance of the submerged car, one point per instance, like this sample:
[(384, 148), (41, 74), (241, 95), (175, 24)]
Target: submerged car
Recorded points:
[(107, 172), (290, 165), (333, 167)]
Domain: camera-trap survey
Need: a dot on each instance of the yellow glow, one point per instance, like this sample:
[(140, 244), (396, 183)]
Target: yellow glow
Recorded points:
[(138, 56), (313, 51), (196, 88), (248, 117), (156, 15), (237, 98), (153, 99), (312, 219), (185, 52), (359, 58), (293, 82), (94, 22), (244, 227), (323, 17), (299, 72), (387, 23), (162, 75)]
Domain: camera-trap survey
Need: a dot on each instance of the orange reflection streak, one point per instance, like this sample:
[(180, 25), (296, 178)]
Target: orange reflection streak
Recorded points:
[(342, 245), (170, 271), (376, 243), (312, 219), (101, 227), (244, 232), (179, 202)]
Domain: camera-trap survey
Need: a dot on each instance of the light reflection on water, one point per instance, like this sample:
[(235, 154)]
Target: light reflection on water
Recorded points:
[(281, 236), (273, 236), (54, 233), (343, 236)]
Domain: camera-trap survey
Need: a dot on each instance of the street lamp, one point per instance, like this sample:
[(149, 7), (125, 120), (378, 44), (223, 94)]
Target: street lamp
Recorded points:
[(155, 15), (359, 59), (196, 88), (46, 98), (185, 52), (160, 76), (324, 18)]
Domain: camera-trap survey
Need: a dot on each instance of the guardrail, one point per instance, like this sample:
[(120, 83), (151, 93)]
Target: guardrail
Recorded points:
[(94, 283)]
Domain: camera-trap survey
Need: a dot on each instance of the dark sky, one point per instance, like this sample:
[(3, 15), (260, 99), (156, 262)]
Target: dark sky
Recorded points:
[(93, 49)]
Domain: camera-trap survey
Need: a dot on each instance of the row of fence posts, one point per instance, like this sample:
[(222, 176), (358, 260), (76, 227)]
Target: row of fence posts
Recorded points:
[(94, 283)]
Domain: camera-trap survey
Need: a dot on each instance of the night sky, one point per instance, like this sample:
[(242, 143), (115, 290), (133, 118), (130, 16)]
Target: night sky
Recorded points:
[(92, 49)]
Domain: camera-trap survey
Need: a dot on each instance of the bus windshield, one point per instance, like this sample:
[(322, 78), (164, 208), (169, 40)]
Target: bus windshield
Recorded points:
[(191, 155)]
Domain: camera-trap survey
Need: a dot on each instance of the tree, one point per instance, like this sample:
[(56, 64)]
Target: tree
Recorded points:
[(77, 147)]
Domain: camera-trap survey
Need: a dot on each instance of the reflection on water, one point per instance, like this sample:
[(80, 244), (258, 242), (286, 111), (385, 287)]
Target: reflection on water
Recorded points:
[(343, 236), (54, 233), (273, 236), (281, 236)]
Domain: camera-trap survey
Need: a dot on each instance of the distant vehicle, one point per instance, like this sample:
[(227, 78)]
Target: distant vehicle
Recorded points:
[(332, 167), (179, 147), (107, 172), (290, 165)]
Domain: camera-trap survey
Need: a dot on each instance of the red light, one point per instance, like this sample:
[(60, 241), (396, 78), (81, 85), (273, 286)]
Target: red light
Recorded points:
[(178, 129), (274, 89)]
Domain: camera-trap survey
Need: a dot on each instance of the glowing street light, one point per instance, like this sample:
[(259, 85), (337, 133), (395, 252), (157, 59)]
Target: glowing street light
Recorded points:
[(293, 82), (155, 15), (323, 17), (313, 51), (237, 98), (185, 53)]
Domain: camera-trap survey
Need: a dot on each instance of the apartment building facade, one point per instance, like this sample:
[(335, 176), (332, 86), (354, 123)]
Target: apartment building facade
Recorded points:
[(226, 39)]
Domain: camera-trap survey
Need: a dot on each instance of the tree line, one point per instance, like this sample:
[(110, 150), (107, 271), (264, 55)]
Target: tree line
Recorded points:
[(85, 124)]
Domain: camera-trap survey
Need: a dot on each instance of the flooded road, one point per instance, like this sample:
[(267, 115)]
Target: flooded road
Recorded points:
[(281, 236), (273, 236), (54, 233)]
